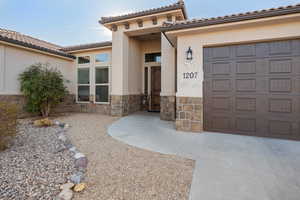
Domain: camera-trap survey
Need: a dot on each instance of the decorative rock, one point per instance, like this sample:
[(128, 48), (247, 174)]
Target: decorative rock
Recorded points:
[(62, 137), (79, 155), (79, 187), (65, 195), (62, 125), (77, 177), (67, 186), (68, 144), (73, 149), (60, 149), (81, 162), (43, 122), (66, 126)]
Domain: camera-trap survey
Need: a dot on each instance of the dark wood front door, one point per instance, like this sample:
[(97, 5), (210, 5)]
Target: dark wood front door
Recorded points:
[(155, 89), (253, 89)]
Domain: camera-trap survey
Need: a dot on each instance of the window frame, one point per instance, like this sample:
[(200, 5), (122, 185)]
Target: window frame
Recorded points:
[(102, 84), (79, 84)]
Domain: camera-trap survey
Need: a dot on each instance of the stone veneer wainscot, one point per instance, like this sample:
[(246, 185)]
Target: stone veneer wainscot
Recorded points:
[(189, 114), (122, 105), (167, 108)]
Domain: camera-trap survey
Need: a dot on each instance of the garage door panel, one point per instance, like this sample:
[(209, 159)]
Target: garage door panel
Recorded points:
[(281, 66), (246, 104), (222, 85), (245, 125), (221, 104), (247, 50), (253, 89), (280, 48), (245, 67), (221, 122), (280, 128)]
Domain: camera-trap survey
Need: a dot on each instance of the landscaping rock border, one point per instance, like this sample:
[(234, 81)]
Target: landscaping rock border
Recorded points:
[(80, 164)]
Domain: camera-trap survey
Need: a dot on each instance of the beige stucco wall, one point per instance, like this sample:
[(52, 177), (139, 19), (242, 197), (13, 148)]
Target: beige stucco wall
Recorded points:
[(14, 61), (128, 62), (252, 31), (167, 68), (120, 49)]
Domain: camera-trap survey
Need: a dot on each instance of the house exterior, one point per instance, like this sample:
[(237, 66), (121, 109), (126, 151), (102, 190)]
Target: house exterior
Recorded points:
[(234, 74)]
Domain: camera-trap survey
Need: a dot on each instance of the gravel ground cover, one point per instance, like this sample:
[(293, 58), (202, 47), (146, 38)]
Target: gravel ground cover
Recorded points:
[(35, 166), (117, 171)]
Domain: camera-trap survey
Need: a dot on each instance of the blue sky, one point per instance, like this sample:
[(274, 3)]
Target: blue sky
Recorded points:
[(71, 22)]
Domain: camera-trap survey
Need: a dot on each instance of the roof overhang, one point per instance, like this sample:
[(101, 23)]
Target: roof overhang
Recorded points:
[(88, 47), (178, 7), (34, 48), (172, 34)]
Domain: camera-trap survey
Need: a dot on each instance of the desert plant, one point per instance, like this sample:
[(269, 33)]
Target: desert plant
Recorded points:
[(43, 88), (8, 123)]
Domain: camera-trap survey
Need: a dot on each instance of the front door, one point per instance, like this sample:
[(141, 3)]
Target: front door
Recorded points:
[(155, 89)]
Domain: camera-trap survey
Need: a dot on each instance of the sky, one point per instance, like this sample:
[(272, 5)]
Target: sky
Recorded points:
[(72, 22)]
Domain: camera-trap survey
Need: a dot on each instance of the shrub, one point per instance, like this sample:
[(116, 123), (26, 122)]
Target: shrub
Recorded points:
[(8, 124), (43, 88)]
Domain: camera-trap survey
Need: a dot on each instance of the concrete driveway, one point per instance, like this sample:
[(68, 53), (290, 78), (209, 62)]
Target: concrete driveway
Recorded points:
[(228, 167)]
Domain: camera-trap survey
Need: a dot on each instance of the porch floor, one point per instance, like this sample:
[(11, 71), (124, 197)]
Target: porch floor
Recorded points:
[(227, 166)]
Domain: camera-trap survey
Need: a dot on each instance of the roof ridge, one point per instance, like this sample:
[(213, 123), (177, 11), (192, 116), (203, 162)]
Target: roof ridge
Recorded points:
[(248, 13), (179, 4), (28, 36), (20, 39)]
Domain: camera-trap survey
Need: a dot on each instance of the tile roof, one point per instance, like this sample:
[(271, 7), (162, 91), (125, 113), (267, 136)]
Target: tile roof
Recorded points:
[(87, 46), (175, 6), (17, 38), (272, 12)]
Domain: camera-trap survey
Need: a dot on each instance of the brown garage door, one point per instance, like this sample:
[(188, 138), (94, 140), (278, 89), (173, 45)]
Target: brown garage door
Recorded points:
[(253, 89)]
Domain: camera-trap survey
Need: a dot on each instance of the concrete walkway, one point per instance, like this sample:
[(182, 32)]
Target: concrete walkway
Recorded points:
[(228, 167)]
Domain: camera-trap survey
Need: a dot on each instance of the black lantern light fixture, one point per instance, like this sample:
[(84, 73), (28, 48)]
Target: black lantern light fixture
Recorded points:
[(189, 54)]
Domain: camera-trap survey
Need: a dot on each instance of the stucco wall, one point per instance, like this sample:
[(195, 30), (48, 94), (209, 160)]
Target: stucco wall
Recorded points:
[(14, 61), (167, 68), (134, 68), (271, 29), (128, 62)]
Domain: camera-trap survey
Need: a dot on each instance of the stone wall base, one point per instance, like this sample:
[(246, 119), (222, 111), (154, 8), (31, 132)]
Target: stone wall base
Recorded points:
[(68, 105), (122, 105), (168, 108), (189, 114)]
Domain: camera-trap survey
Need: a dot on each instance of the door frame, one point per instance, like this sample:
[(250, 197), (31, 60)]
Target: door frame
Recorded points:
[(150, 89), (149, 67)]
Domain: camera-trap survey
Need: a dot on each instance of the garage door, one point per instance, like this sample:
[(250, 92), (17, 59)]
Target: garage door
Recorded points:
[(253, 89)]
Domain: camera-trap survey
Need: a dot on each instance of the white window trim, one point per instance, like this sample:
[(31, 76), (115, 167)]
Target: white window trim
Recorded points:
[(103, 84), (78, 84)]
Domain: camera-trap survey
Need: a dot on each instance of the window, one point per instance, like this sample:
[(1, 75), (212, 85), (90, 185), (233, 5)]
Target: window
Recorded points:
[(153, 57), (102, 84), (102, 57), (84, 60), (146, 81), (83, 82)]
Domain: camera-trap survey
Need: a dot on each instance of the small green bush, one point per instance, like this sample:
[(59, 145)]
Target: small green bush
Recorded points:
[(43, 88), (8, 124)]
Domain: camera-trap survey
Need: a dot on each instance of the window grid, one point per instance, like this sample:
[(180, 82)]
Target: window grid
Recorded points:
[(83, 84), (102, 84)]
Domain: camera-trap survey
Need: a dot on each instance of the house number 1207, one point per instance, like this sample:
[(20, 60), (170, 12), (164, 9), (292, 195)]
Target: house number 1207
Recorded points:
[(190, 75)]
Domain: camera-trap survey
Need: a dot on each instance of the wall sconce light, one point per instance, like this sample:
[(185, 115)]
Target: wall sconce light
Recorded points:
[(189, 54)]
